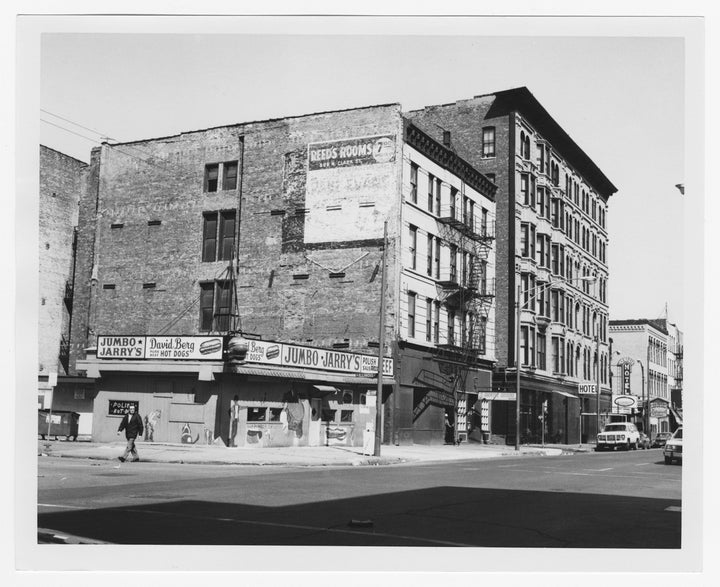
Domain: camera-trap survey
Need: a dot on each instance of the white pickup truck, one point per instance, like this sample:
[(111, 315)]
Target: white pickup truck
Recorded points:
[(622, 435)]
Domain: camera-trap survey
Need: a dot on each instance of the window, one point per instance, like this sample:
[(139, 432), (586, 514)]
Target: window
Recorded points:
[(527, 345), (451, 327), (211, 177), (438, 191), (453, 199), (541, 352), (411, 314), (328, 415), (431, 195), (481, 334), (558, 354), (543, 253), (453, 263), (275, 414), (527, 240), (256, 414), (428, 319), (525, 188), (346, 415), (215, 306), (527, 281), (436, 322), (413, 247), (484, 222), (413, 182), (437, 258), (218, 236), (230, 175), (429, 250), (488, 141)]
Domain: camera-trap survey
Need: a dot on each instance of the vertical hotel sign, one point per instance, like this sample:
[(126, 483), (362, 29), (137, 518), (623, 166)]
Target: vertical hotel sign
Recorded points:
[(349, 188), (627, 371)]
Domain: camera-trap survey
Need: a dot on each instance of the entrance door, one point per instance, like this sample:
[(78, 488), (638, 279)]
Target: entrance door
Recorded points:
[(315, 421)]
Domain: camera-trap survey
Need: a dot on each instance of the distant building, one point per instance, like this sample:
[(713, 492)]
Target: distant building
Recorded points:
[(61, 183), (269, 236), (647, 367), (552, 240)]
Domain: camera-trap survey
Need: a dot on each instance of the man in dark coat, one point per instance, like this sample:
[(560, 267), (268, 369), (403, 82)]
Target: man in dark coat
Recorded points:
[(133, 426)]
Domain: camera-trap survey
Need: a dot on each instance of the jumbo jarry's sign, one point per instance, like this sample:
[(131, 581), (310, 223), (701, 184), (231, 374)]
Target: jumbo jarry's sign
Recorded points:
[(290, 355), (195, 348)]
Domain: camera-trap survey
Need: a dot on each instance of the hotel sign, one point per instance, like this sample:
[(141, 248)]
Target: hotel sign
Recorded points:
[(587, 388), (351, 152), (188, 348), (290, 355)]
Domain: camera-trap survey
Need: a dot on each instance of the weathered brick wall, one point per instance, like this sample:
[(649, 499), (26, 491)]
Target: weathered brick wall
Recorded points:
[(163, 180), (465, 120), (60, 179)]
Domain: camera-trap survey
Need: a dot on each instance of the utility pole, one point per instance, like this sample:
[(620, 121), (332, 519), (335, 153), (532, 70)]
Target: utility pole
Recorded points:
[(381, 345), (517, 367)]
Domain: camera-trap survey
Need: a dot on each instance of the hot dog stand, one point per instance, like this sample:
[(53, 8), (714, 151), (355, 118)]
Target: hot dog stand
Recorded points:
[(183, 387)]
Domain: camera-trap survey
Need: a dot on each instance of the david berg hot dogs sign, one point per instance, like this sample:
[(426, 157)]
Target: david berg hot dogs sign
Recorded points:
[(193, 348), (290, 355)]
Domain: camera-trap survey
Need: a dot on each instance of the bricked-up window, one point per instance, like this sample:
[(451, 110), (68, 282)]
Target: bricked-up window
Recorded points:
[(411, 314), (413, 182), (230, 175), (215, 306), (218, 236), (488, 141), (212, 172)]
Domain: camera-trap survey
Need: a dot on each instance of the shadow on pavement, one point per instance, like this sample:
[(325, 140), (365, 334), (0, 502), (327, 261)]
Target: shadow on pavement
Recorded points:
[(438, 516)]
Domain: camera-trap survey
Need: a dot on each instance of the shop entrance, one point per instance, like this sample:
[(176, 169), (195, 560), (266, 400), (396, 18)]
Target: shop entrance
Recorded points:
[(315, 421)]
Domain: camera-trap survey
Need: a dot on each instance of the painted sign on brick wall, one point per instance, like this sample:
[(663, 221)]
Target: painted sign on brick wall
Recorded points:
[(349, 188), (197, 348)]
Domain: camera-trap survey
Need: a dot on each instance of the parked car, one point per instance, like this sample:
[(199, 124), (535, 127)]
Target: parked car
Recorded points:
[(673, 447), (644, 441), (661, 439), (622, 435)]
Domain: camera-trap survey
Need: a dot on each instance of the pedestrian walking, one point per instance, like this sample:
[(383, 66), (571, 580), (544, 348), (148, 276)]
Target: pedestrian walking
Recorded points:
[(234, 419), (133, 427)]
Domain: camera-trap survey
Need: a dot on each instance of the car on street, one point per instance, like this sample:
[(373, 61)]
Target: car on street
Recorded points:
[(661, 439), (644, 441), (673, 447), (618, 435)]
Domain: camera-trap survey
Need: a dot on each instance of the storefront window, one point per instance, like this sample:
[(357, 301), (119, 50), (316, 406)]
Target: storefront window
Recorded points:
[(275, 414), (346, 416), (256, 414), (328, 415)]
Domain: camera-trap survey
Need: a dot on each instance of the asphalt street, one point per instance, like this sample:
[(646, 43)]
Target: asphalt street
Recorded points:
[(592, 500)]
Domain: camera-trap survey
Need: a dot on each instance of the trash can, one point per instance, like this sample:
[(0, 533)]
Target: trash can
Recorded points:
[(58, 423), (486, 437)]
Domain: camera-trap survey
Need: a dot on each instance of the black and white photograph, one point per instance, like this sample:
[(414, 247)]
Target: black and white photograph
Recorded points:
[(360, 293)]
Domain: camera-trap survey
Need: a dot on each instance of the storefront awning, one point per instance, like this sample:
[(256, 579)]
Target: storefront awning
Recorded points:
[(325, 389), (565, 393), (307, 375)]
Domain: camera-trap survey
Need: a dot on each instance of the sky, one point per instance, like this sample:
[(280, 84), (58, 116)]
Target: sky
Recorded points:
[(618, 92)]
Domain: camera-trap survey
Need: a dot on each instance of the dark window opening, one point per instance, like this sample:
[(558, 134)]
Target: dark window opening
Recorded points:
[(230, 175), (211, 177), (256, 414), (346, 415)]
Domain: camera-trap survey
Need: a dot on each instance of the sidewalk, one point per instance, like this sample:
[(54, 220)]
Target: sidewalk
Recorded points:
[(318, 456)]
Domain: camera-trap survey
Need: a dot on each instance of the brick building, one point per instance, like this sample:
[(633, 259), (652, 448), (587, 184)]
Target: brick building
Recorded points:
[(61, 180), (274, 229), (648, 366), (551, 226)]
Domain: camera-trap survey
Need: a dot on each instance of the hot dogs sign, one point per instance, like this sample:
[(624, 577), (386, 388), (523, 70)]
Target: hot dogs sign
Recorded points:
[(192, 348)]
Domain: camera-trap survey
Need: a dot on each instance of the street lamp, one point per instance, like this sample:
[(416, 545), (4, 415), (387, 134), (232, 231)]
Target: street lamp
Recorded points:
[(646, 396), (532, 293)]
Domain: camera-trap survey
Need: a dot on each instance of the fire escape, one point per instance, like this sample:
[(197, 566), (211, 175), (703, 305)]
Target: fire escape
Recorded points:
[(467, 294)]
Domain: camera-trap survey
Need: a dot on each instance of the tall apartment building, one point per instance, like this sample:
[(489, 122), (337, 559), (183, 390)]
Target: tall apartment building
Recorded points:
[(552, 239), (648, 365), (61, 180), (269, 236)]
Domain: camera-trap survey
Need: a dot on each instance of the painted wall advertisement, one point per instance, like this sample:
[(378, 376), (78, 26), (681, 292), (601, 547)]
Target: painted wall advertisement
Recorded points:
[(195, 348), (349, 184), (290, 355), (120, 407)]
